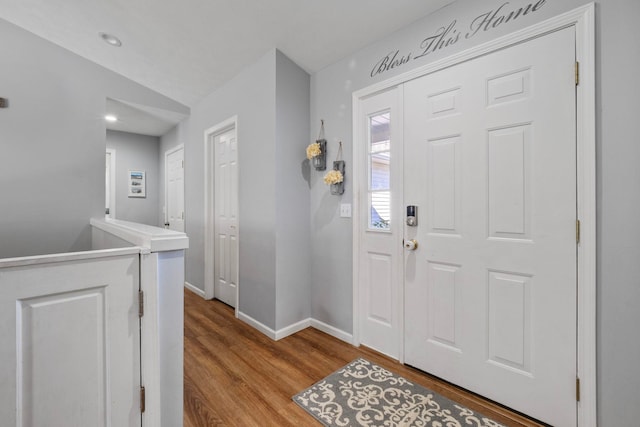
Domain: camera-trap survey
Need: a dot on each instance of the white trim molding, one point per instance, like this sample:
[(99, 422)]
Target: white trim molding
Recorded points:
[(586, 161), (257, 325), (333, 331), (583, 20), (292, 329), (191, 288), (296, 327)]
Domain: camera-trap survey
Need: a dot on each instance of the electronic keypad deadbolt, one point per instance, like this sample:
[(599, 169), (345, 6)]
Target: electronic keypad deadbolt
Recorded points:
[(412, 216)]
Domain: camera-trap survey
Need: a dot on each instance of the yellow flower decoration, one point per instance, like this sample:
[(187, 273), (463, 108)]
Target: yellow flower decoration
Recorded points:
[(333, 177), (313, 150)]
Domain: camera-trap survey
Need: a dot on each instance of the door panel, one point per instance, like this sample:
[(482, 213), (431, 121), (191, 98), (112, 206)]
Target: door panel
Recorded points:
[(70, 343), (226, 218), (490, 291), (380, 282)]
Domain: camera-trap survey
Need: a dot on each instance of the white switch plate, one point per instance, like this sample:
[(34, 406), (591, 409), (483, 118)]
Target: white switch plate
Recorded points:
[(345, 210)]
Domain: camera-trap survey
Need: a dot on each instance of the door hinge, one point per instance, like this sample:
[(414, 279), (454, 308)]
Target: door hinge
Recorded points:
[(577, 73), (142, 399), (577, 231), (183, 164), (577, 389), (140, 303), (182, 215)]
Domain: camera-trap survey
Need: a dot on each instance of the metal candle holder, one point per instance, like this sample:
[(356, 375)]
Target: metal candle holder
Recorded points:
[(338, 189), (320, 161)]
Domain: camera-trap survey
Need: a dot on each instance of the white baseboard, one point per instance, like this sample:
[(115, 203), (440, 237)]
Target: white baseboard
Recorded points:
[(333, 331), (257, 325), (296, 327), (194, 289), (292, 329)]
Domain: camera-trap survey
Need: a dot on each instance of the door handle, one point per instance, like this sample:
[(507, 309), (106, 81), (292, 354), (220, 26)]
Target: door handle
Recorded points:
[(411, 245)]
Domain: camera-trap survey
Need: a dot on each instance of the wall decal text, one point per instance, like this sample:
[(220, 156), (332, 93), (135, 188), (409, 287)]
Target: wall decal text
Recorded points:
[(451, 34)]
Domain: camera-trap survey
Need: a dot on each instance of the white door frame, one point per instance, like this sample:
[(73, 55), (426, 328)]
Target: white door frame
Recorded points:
[(166, 180), (209, 205), (583, 19), (112, 183)]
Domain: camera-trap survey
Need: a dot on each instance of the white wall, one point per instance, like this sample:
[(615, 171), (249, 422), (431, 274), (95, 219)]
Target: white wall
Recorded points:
[(618, 97), (52, 142), (136, 152)]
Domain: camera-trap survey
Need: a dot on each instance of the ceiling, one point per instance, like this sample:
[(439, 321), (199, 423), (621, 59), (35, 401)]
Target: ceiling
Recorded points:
[(185, 49), (141, 119)]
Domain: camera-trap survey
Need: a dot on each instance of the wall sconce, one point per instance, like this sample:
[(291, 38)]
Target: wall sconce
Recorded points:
[(338, 188), (335, 177), (317, 151), (320, 161)]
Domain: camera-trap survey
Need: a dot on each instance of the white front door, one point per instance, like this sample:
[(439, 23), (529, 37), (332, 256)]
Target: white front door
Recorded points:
[(380, 280), (226, 217), (174, 177), (490, 291)]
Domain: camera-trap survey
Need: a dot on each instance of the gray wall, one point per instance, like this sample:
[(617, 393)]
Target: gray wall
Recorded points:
[(136, 152), (292, 173), (271, 100), (618, 179), (52, 138), (618, 95), (250, 96)]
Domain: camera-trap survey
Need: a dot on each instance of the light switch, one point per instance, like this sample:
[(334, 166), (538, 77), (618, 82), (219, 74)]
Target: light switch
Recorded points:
[(345, 210)]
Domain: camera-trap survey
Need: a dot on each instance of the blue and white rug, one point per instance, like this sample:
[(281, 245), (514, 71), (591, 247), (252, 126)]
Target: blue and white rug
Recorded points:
[(365, 394)]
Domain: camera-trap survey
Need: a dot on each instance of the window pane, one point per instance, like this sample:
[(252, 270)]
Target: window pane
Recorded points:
[(380, 173), (380, 132), (380, 214)]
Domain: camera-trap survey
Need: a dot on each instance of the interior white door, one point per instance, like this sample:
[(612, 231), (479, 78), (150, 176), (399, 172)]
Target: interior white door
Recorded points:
[(174, 161), (380, 280), (226, 217), (70, 348), (490, 291), (110, 183)]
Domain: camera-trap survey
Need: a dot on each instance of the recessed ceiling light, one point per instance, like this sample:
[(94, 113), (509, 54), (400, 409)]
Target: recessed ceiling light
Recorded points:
[(111, 118), (110, 39)]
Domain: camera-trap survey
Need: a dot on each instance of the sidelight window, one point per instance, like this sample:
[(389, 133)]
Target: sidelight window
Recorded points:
[(379, 158)]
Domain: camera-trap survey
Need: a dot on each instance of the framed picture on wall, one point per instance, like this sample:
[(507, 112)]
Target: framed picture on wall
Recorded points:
[(137, 184)]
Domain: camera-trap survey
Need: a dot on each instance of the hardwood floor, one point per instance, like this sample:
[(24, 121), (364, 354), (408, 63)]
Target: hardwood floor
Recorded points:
[(236, 376)]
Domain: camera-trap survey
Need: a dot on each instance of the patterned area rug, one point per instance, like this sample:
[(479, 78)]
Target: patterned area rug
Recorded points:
[(365, 394)]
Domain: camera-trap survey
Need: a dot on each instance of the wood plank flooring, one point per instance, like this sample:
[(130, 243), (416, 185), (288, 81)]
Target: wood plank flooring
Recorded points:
[(236, 376)]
